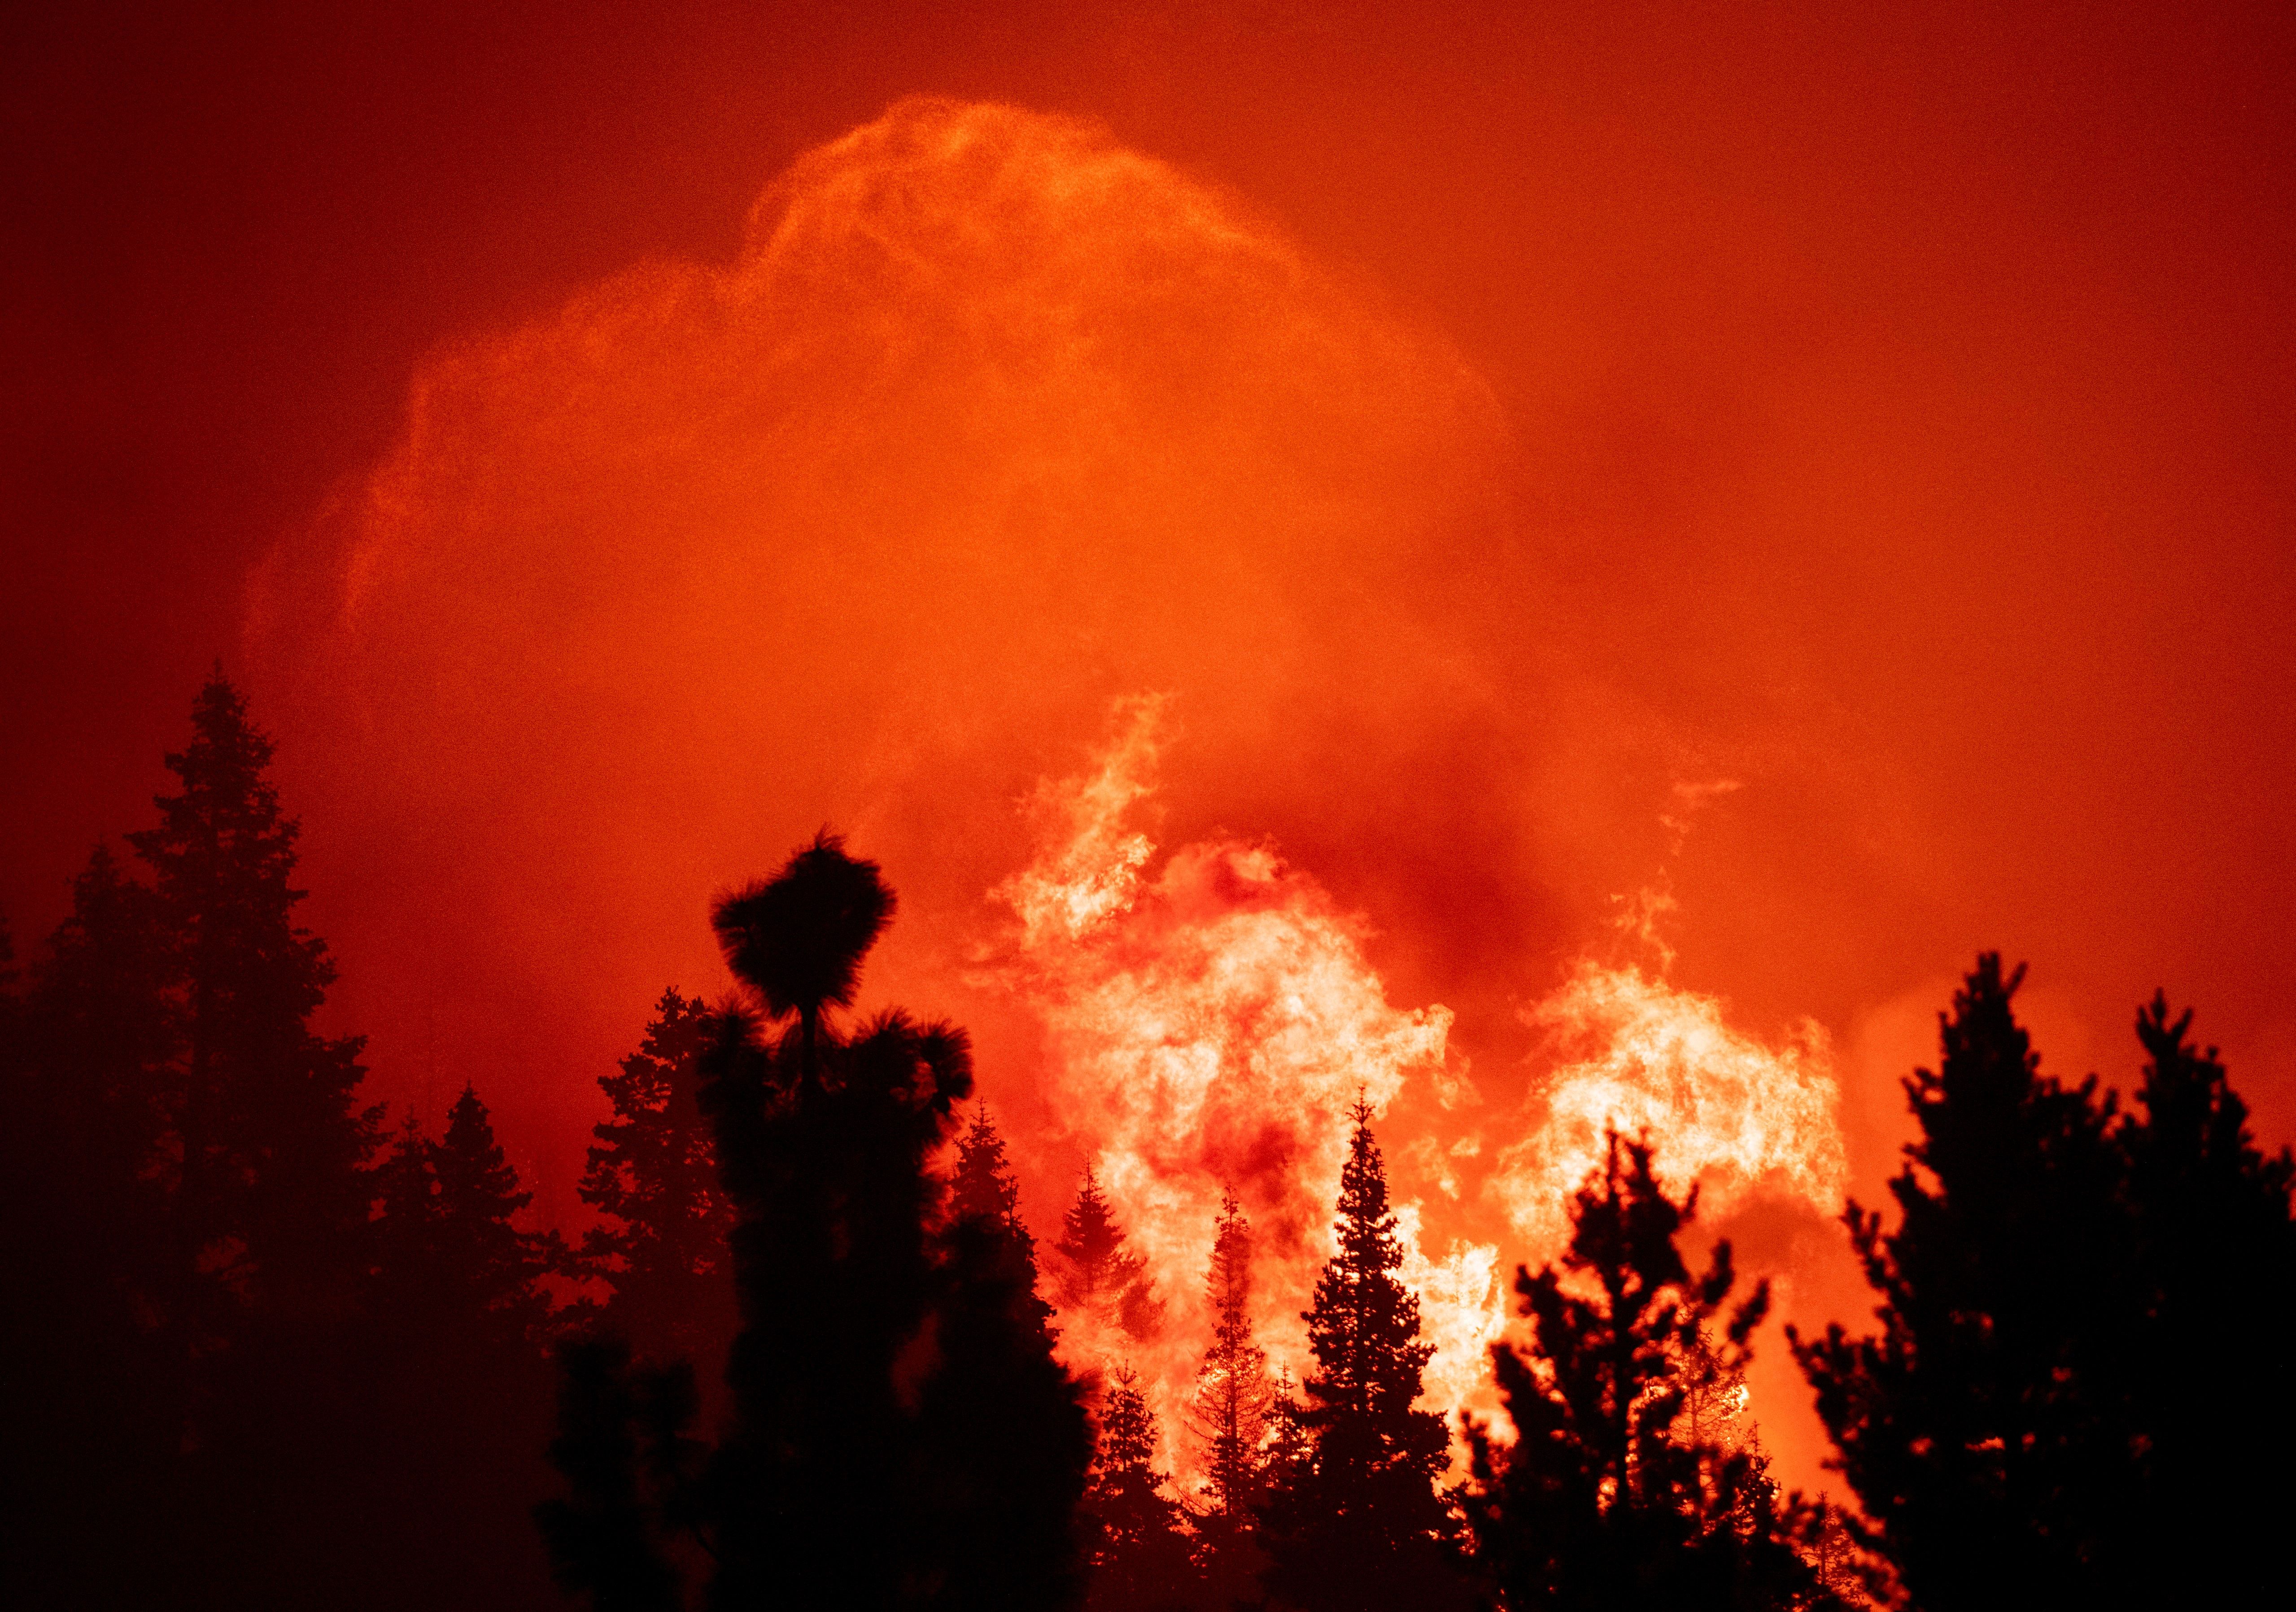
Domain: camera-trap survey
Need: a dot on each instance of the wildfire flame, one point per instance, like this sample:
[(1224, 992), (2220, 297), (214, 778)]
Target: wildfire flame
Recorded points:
[(1727, 1112), (1209, 1026), (1209, 1022)]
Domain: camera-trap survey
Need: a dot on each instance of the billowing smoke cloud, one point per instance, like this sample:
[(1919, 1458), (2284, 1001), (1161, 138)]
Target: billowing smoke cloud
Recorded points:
[(990, 424)]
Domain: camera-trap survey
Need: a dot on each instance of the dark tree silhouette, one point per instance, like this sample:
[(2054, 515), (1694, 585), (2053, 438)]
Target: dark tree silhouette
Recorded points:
[(899, 1432), (1231, 1386), (1098, 1271), (981, 1187), (2215, 1251), (1613, 1495), (653, 1173), (1140, 1555), (1360, 1524), (2076, 1306), (620, 1445), (1986, 1428), (268, 1150), (1229, 1414), (90, 1401)]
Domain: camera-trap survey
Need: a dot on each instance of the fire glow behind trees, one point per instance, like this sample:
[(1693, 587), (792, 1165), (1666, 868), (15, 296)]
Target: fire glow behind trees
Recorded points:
[(1456, 602)]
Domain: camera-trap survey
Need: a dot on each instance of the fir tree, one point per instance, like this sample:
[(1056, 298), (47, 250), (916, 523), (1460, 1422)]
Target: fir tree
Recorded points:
[(2215, 1251), (653, 1173), (1987, 1428), (1140, 1554), (269, 1189), (1360, 1524), (493, 1269), (981, 1187), (1614, 1495), (1233, 1391), (1098, 1271)]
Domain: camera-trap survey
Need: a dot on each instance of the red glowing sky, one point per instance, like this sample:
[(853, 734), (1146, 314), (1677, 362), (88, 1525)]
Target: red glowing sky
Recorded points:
[(1478, 424)]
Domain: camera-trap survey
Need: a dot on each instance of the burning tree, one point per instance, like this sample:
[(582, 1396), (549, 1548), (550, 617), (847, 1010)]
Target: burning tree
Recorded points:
[(1606, 1500), (1098, 1273)]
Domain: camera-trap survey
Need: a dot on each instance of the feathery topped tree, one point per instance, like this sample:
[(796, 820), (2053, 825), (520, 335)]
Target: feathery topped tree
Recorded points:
[(797, 939), (1097, 1270), (1611, 1497), (899, 1426), (1360, 1524)]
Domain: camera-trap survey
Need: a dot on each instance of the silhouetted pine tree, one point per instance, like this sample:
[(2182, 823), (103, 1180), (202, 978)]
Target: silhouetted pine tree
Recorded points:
[(1140, 1554), (1232, 1386), (2216, 1250), (1229, 1415), (1360, 1524), (451, 1368), (1098, 1271), (653, 1171), (90, 1400), (1002, 1436), (981, 1187), (268, 1151), (1987, 1429), (900, 1432), (1612, 1496)]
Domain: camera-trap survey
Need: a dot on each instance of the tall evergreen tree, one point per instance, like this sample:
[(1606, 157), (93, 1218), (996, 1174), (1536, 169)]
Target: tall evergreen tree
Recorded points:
[(653, 1173), (1613, 1495), (1233, 1391), (2216, 1251), (90, 1404), (981, 1187), (1361, 1525), (2058, 1404), (494, 1269), (1140, 1553), (269, 1149), (899, 1431), (1986, 1429), (1098, 1273)]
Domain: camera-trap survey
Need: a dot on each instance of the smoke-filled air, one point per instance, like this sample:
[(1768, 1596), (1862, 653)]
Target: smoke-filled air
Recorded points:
[(1259, 809)]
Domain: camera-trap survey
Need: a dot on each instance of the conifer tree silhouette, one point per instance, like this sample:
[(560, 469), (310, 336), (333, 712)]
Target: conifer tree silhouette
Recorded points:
[(2059, 1402), (899, 1431), (653, 1172), (1612, 1495), (1098, 1271), (2215, 1251), (1229, 1413), (1140, 1555), (270, 1195), (1360, 1524), (1986, 1428), (981, 1187), (1232, 1386), (91, 1405)]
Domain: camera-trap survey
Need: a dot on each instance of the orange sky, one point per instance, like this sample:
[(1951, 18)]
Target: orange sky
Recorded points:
[(1479, 427)]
